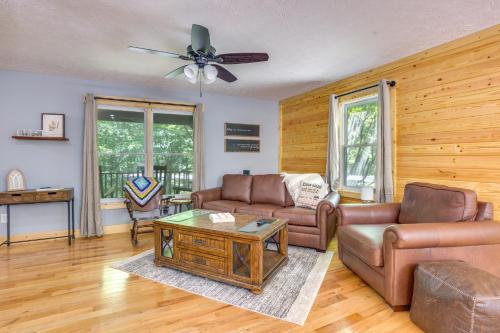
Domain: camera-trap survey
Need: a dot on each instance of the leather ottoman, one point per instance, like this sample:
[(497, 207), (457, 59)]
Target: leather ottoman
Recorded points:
[(453, 296)]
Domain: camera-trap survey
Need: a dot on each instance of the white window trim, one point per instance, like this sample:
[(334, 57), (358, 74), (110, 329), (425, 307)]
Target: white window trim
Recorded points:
[(341, 123)]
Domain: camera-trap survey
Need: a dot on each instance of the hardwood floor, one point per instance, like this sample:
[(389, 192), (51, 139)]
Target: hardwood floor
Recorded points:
[(50, 287)]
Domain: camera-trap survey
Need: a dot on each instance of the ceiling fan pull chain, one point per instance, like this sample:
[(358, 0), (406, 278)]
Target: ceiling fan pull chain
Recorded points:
[(201, 95)]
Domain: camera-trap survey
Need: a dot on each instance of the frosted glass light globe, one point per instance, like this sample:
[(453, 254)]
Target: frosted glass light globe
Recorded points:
[(192, 80), (210, 73), (191, 71)]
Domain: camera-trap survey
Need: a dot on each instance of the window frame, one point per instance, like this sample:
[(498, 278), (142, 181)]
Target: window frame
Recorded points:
[(149, 108), (343, 138)]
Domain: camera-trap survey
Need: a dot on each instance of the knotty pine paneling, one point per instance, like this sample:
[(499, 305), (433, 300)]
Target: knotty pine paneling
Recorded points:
[(446, 114)]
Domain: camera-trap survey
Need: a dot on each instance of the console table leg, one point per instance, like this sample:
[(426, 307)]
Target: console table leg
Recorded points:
[(73, 218), (69, 222), (8, 225)]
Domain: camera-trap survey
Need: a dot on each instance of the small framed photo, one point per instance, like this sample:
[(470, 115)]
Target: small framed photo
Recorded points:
[(53, 125)]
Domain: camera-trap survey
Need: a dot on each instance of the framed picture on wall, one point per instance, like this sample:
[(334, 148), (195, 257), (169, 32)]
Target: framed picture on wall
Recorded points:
[(249, 130), (53, 124), (242, 146)]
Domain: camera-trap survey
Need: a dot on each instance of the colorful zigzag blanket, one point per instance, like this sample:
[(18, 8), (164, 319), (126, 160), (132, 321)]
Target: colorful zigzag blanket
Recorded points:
[(142, 189)]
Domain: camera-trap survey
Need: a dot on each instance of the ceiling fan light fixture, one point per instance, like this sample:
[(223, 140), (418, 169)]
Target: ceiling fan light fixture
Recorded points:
[(207, 81), (192, 80), (210, 73), (191, 72)]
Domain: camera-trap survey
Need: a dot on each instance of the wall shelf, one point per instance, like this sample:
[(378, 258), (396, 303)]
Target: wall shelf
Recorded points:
[(40, 138)]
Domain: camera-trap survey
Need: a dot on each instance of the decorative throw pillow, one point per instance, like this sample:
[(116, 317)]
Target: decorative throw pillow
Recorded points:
[(311, 194), (293, 183)]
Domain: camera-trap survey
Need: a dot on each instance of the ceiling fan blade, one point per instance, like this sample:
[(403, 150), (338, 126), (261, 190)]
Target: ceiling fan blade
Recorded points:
[(175, 72), (224, 74), (156, 52), (242, 58), (200, 38)]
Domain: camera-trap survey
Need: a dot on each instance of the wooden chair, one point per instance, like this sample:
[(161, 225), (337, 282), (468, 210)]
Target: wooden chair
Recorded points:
[(146, 223)]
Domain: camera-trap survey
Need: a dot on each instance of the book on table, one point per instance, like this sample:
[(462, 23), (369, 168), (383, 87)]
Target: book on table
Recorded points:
[(221, 217)]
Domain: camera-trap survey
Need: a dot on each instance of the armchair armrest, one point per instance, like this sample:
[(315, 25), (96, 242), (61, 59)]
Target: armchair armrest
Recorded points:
[(200, 197), (451, 234), (368, 214)]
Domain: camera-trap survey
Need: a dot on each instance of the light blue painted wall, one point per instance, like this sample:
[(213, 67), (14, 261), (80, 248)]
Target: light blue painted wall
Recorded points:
[(24, 96)]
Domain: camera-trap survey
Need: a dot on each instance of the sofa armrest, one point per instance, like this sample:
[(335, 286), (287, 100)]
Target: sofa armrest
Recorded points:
[(368, 214), (325, 219), (200, 197), (328, 204), (447, 234)]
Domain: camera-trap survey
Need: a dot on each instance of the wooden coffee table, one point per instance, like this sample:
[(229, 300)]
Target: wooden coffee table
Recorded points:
[(190, 242)]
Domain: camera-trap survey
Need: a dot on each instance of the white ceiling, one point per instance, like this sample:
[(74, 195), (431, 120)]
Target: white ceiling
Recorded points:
[(310, 43)]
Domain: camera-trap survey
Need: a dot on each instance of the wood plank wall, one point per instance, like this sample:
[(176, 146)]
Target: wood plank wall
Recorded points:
[(447, 117)]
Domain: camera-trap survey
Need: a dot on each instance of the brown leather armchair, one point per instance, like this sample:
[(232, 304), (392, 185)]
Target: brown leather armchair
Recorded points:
[(383, 243), (267, 196)]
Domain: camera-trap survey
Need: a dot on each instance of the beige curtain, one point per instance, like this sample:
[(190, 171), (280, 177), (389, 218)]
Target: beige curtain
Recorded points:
[(333, 155), (199, 149), (384, 189), (90, 216)]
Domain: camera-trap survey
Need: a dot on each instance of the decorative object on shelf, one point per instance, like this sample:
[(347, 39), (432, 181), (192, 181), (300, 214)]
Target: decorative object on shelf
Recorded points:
[(242, 146), (232, 129), (53, 125), (24, 132), (16, 181), (367, 194)]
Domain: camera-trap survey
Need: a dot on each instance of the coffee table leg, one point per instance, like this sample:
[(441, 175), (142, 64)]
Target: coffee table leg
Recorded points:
[(284, 241), (256, 291)]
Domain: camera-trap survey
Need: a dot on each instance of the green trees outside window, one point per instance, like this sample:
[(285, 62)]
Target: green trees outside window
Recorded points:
[(360, 142), (121, 138)]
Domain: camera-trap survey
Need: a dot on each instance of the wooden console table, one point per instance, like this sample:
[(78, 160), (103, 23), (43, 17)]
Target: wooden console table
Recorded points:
[(41, 196)]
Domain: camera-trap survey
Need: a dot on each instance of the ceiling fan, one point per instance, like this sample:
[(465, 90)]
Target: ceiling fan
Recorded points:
[(206, 66)]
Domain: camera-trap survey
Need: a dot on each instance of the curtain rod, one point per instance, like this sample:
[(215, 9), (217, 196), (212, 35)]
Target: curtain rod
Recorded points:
[(390, 83), (142, 100)]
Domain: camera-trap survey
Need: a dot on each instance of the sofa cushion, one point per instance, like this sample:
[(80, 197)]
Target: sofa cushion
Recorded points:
[(236, 187), (297, 216), (264, 210), (365, 241), (436, 203), (268, 189), (223, 205)]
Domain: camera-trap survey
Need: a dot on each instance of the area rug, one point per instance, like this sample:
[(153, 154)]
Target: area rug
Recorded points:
[(289, 295)]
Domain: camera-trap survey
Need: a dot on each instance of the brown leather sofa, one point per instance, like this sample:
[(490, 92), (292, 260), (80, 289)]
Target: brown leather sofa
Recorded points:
[(267, 196), (383, 243)]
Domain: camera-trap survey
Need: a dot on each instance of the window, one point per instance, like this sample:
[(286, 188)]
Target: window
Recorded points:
[(173, 150), (144, 139), (359, 142)]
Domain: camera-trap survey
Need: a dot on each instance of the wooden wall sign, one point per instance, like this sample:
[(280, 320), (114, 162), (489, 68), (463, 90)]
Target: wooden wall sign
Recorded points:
[(241, 129), (242, 146)]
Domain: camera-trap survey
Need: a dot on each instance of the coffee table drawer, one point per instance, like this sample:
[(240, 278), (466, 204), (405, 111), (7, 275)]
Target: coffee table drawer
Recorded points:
[(213, 244), (203, 261)]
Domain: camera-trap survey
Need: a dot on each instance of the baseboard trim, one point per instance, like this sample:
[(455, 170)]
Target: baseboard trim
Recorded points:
[(108, 229)]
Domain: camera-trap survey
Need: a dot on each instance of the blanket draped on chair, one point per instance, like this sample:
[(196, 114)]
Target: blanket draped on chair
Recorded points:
[(141, 189)]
